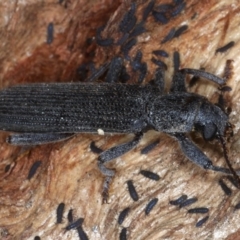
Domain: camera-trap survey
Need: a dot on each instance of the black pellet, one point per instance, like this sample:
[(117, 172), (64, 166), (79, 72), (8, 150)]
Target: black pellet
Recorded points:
[(103, 42), (148, 10), (161, 53), (60, 210), (114, 70), (37, 238), (198, 210), (151, 205), (160, 17), (150, 175), (178, 9), (179, 200), (225, 47), (70, 215), (127, 47), (164, 7), (123, 215), (50, 33), (82, 235), (202, 221), (124, 76), (188, 202), (132, 191), (169, 36), (7, 168), (177, 2), (225, 89), (180, 31), (123, 39), (94, 148), (129, 20), (237, 206), (233, 180), (75, 224), (150, 147), (159, 63), (136, 63), (82, 72), (176, 61), (33, 169), (143, 72), (138, 30), (123, 234), (225, 188)]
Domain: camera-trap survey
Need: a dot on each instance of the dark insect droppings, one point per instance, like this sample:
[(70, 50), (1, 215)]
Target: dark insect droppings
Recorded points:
[(139, 29), (82, 235), (225, 89), (160, 17), (33, 169), (114, 70), (50, 33), (202, 221), (70, 215), (159, 63), (161, 53), (188, 202), (123, 215), (178, 9), (151, 205), (148, 10), (94, 148), (100, 41), (225, 188), (179, 200), (129, 20), (198, 210), (180, 31), (7, 167), (150, 175), (132, 191), (143, 72), (169, 36), (75, 224), (136, 62), (225, 47), (127, 47), (37, 238), (60, 210), (123, 234)]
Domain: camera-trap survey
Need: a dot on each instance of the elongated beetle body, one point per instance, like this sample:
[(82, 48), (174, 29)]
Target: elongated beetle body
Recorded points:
[(41, 113)]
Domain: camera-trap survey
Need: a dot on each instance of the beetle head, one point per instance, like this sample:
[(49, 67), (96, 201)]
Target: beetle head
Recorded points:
[(211, 121)]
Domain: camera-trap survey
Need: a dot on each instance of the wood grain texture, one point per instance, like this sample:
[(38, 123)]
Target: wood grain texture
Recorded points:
[(69, 172)]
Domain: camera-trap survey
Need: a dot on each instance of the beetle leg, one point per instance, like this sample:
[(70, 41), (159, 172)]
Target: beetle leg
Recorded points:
[(178, 82), (37, 138), (159, 79), (108, 156), (115, 69), (193, 153)]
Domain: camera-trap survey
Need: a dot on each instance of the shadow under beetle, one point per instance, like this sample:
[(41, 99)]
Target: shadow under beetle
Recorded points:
[(45, 112)]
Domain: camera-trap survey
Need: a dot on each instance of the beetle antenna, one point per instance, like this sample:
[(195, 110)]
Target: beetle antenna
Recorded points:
[(223, 142)]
